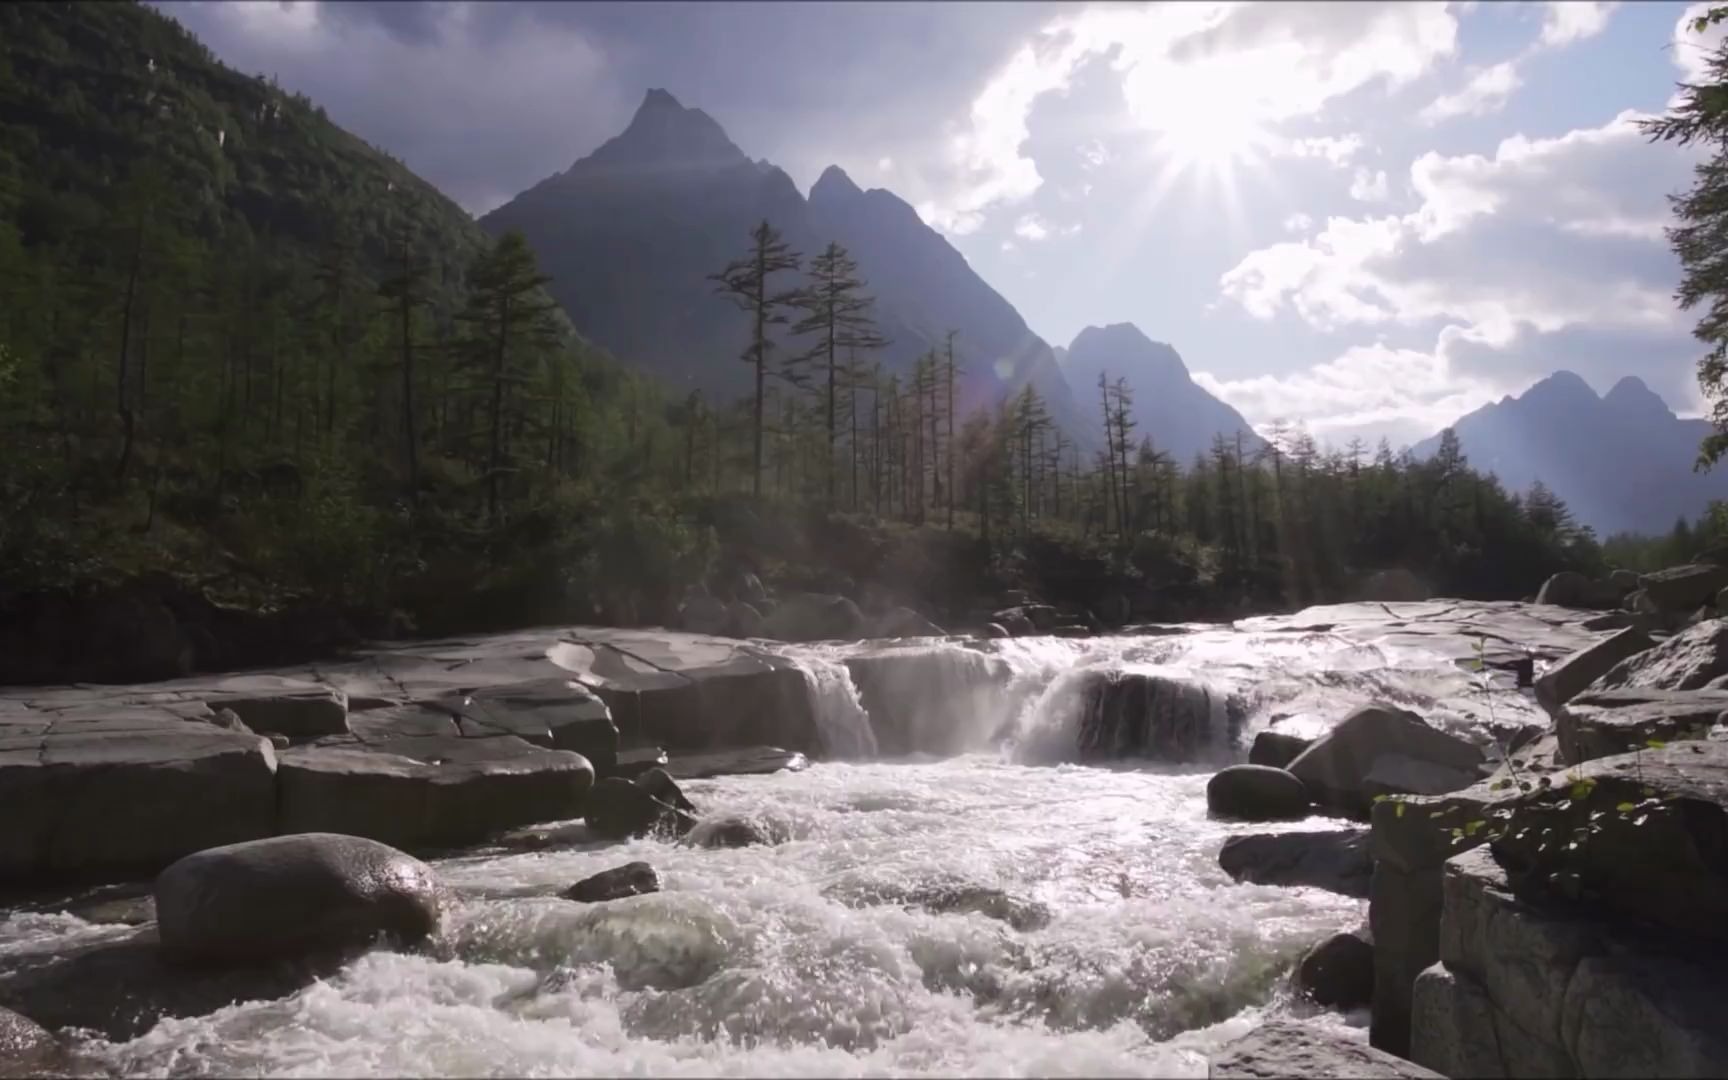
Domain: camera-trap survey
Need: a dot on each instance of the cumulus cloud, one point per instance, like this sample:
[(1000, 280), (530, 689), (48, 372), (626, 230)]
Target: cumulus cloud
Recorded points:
[(1510, 261), (1566, 21), (1488, 90), (1692, 51), (1298, 223), (1031, 227), (1369, 186), (1251, 67)]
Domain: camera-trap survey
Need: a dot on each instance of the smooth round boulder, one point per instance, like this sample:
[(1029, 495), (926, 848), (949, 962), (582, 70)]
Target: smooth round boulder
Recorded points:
[(631, 879), (730, 832), (1338, 973), (291, 897), (1256, 793), (619, 809), (1276, 749)]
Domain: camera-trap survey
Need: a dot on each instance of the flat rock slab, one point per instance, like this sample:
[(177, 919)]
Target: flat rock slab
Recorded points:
[(1607, 722), (1286, 1048), (752, 760)]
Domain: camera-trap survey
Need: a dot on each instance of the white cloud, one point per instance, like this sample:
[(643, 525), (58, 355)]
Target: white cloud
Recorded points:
[(1692, 51), (1566, 21), (1370, 186), (1336, 149), (1298, 223), (1187, 67), (1031, 227), (1487, 91)]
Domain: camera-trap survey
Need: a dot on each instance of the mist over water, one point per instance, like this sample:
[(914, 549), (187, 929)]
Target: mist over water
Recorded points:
[(970, 903)]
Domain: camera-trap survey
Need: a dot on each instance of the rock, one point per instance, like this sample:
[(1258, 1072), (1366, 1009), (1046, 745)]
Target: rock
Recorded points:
[(750, 590), (1624, 581), (1016, 597), (229, 720), (745, 621), (1335, 767), (430, 791), (1686, 661), (1568, 588), (288, 897), (1256, 793), (750, 761), (1565, 680), (633, 763), (996, 630), (618, 809), (1129, 714), (112, 796), (26, 1047), (631, 879), (1072, 630), (814, 617), (659, 783), (730, 832), (555, 713), (902, 622), (1276, 749), (1043, 617), (1336, 860), (273, 705), (1014, 621), (703, 614), (1286, 1048), (1524, 990), (1022, 915), (1397, 774), (1684, 588), (1338, 972), (122, 989), (1606, 722)]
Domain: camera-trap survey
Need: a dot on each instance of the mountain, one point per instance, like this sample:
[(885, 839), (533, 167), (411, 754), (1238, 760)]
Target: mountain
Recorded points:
[(1169, 406), (1622, 461), (630, 233)]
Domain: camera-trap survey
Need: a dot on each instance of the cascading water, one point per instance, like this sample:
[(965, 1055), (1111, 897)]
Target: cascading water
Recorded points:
[(888, 932)]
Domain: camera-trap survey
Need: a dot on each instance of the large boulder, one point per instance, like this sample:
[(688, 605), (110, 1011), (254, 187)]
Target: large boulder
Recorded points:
[(1014, 621), (1256, 793), (274, 705), (1276, 748), (288, 897), (1287, 1048), (1336, 860), (27, 1048), (1565, 680), (1336, 766), (1400, 774), (1601, 723), (1684, 588), (631, 879), (813, 617), (618, 809), (1338, 972), (113, 792), (1689, 660), (1126, 714)]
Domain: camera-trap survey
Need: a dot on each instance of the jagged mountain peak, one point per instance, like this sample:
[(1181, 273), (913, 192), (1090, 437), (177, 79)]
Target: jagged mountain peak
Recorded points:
[(1632, 397), (666, 136), (834, 186)]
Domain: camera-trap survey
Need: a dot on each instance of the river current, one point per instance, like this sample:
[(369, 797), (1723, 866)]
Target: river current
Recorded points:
[(1114, 944)]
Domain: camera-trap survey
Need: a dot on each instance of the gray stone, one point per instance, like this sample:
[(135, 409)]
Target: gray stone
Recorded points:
[(1568, 589), (619, 808), (27, 1048), (272, 705), (1276, 749), (1399, 774), (1020, 914), (814, 617), (659, 783), (288, 897), (1684, 588), (1338, 972), (1285, 1048), (1335, 767), (114, 803), (750, 761), (631, 879), (732, 832), (1607, 722), (703, 614), (1337, 860), (1626, 581), (1565, 680), (996, 630), (745, 620), (1128, 714), (902, 622), (1256, 793), (1014, 622), (1687, 661), (557, 712)]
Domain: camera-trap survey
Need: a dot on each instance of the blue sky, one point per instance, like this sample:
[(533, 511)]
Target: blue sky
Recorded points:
[(1368, 217)]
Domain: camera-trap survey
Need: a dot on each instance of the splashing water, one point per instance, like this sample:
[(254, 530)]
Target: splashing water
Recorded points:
[(840, 716)]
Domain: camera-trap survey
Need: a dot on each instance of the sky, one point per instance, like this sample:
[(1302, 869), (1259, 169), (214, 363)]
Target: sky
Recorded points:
[(1366, 217)]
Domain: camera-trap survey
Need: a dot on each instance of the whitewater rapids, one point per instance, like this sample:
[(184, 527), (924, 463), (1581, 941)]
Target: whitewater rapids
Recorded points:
[(787, 960)]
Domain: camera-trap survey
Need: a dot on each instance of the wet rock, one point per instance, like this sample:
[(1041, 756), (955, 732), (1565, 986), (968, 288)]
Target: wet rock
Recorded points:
[(1397, 774), (659, 783), (289, 897), (1335, 767), (633, 763), (27, 1048), (631, 879), (556, 713), (430, 791), (903, 622), (229, 720), (1014, 621), (618, 809), (1601, 723), (273, 705), (704, 697), (112, 796), (120, 990), (1684, 588), (731, 832), (996, 630), (1565, 680), (1276, 749), (1338, 972), (1135, 715), (1286, 1048), (1072, 630), (1624, 581), (750, 761), (814, 617), (1256, 793), (1687, 661), (1336, 860), (1023, 915)]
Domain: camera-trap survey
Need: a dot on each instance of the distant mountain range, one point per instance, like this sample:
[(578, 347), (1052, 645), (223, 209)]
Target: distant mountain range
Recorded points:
[(631, 232), (1622, 461)]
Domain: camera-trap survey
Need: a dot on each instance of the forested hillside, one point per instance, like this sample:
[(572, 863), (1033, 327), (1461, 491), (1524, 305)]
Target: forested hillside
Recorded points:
[(246, 357)]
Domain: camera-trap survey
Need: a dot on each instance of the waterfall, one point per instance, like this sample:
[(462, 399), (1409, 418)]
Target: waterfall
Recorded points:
[(840, 716)]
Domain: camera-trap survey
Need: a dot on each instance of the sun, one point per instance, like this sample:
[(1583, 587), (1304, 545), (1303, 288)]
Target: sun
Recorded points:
[(1205, 119)]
